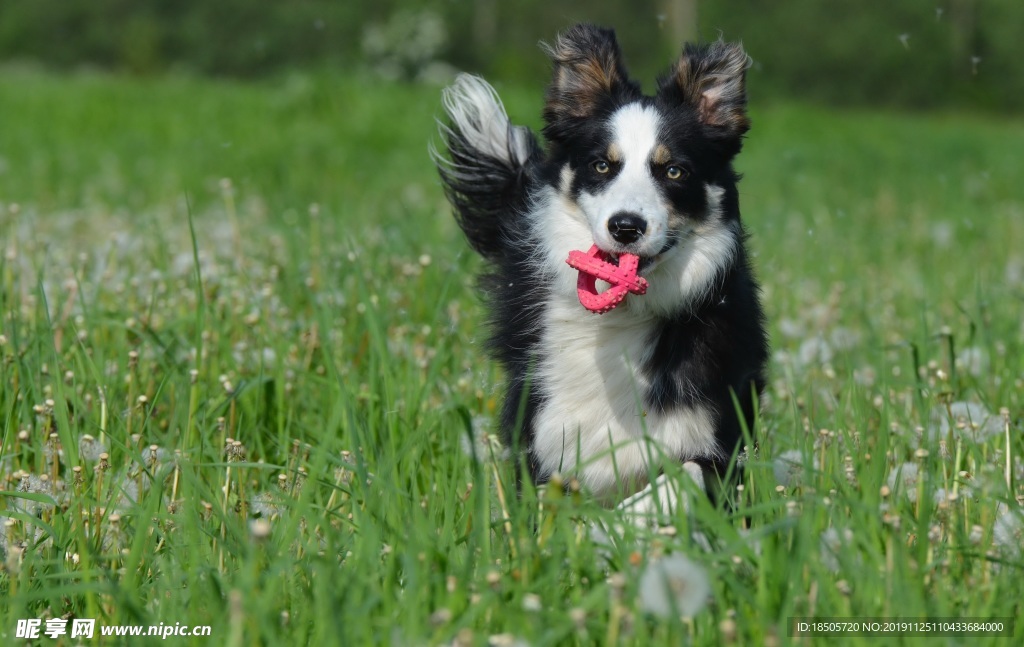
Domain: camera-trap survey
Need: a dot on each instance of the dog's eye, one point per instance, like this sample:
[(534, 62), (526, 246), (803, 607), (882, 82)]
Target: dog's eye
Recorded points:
[(675, 173), (602, 167)]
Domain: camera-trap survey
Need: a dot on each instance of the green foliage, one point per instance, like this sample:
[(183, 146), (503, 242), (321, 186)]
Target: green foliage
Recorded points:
[(896, 53), (231, 37), (252, 299)]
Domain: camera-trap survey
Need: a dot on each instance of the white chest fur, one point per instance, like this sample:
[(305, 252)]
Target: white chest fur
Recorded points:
[(593, 422)]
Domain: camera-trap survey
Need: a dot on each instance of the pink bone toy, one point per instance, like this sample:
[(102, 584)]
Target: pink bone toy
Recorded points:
[(594, 265)]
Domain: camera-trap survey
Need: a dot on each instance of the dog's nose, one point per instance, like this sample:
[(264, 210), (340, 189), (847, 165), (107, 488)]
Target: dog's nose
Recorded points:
[(626, 228)]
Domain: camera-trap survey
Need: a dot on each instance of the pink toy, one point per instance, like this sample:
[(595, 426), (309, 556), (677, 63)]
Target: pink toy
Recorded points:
[(596, 264)]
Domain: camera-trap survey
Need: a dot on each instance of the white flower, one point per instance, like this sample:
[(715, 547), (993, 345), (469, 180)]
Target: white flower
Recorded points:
[(832, 543), (532, 602), (33, 484), (790, 328), (788, 468), (978, 424), (266, 505), (1008, 533), (506, 640), (844, 338), (89, 449), (752, 541), (815, 351), (904, 477), (942, 495), (484, 444), (942, 233), (974, 360), (674, 584)]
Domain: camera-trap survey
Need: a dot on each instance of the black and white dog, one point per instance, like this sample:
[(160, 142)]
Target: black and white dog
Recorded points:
[(670, 375)]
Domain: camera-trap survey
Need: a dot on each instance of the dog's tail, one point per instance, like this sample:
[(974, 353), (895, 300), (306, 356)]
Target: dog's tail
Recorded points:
[(486, 172)]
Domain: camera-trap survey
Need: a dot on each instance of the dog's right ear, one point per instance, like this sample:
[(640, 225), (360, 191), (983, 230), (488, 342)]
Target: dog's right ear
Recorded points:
[(587, 73)]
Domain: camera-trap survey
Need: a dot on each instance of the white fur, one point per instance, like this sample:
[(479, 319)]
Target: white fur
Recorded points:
[(593, 422), (635, 134), (688, 271), (591, 386), (664, 496), (660, 501), (679, 276), (478, 114)]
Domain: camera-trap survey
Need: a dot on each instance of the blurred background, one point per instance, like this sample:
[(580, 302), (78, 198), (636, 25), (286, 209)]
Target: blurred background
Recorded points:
[(901, 53)]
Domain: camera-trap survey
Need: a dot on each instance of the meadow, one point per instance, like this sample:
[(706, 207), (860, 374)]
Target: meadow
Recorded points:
[(243, 382)]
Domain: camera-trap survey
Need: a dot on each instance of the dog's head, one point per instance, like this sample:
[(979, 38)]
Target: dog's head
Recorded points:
[(646, 172)]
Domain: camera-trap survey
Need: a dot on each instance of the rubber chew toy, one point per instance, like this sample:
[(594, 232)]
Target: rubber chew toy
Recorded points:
[(596, 264)]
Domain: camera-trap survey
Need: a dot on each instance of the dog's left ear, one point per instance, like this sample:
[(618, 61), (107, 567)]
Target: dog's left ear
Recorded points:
[(711, 78)]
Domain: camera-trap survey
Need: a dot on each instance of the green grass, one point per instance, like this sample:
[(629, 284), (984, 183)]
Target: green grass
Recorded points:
[(311, 357)]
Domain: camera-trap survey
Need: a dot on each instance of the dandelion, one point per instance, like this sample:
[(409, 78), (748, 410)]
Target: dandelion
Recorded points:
[(266, 505), (791, 328), (1008, 533), (483, 444), (971, 420), (728, 629), (441, 617), (506, 640), (259, 529), (844, 338), (788, 468), (579, 618), (154, 455), (815, 351), (977, 532), (973, 360), (904, 477), (832, 543), (493, 580), (532, 602), (32, 484), (674, 584)]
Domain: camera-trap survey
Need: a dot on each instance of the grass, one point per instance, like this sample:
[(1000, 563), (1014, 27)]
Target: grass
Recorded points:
[(243, 385)]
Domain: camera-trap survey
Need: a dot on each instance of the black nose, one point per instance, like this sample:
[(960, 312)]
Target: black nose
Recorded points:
[(626, 228)]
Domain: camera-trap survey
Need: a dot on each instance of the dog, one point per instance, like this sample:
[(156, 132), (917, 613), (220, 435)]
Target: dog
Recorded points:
[(674, 374)]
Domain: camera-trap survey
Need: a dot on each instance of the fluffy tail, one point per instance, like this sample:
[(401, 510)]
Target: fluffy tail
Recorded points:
[(485, 174)]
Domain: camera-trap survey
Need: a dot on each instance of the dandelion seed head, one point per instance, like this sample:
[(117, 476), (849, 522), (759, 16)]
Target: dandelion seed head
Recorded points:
[(788, 468), (532, 602), (259, 529), (506, 640), (977, 532), (674, 585), (972, 421), (905, 478), (579, 618), (1008, 533)]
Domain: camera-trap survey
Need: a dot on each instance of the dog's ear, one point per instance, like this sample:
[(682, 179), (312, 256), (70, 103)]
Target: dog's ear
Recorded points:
[(587, 73), (711, 79)]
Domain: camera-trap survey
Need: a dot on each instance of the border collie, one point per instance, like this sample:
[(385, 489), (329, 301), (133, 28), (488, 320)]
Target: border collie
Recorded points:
[(669, 375)]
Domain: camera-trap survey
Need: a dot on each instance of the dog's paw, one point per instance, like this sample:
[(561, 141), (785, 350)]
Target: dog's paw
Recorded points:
[(653, 506)]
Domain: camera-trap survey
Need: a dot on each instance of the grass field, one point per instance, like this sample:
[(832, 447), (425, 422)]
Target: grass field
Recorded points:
[(243, 384)]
